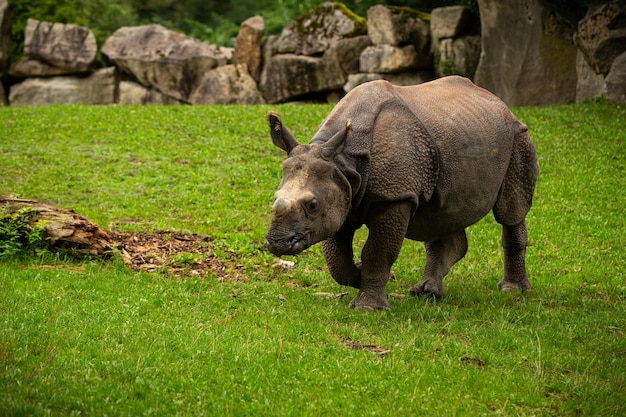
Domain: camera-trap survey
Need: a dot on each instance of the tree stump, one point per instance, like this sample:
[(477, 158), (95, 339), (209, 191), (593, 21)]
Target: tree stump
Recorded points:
[(65, 230)]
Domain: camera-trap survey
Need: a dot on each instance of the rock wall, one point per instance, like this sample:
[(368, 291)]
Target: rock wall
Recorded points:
[(5, 36), (528, 55), (522, 51), (601, 60)]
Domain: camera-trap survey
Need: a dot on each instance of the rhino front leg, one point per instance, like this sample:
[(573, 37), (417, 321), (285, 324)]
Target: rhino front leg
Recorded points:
[(440, 256), (340, 258), (387, 224)]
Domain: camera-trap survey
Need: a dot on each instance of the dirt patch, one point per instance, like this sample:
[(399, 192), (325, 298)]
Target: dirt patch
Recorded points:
[(175, 253), (357, 345)]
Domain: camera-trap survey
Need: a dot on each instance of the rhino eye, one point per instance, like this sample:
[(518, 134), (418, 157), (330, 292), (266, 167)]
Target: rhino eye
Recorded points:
[(312, 205)]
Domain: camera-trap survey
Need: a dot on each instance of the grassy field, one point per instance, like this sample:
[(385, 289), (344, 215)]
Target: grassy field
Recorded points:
[(96, 338)]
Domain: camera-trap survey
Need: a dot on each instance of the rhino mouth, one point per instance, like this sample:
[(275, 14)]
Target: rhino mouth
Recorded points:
[(291, 245)]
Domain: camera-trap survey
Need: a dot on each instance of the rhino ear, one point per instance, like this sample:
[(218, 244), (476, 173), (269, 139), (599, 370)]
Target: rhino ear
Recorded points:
[(280, 135), (335, 144)]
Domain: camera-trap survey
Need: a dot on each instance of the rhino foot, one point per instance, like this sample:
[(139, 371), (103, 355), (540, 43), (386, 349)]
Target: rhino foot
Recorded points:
[(370, 302), (507, 285), (429, 287)]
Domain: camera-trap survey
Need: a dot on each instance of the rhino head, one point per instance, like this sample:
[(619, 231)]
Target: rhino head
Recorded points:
[(314, 196)]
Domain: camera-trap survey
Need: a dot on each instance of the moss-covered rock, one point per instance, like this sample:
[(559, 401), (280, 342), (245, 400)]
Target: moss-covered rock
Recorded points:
[(313, 33)]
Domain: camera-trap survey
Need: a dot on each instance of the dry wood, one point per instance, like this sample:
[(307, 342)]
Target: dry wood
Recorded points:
[(65, 230)]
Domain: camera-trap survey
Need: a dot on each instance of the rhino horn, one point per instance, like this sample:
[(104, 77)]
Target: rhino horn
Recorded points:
[(280, 135), (335, 144), (281, 206)]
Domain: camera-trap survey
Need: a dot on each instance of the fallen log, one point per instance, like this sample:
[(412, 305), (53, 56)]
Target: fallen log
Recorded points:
[(65, 230)]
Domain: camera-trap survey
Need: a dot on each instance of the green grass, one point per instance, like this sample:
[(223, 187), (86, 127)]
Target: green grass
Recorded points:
[(94, 338)]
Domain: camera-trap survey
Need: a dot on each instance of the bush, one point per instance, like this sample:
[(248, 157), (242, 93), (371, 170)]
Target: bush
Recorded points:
[(20, 238)]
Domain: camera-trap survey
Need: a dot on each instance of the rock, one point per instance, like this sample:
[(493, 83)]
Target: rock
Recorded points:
[(335, 38), (589, 85), (291, 76), (32, 67), (458, 56), (69, 47), (601, 35), (97, 88), (449, 22), (388, 58), (398, 78), (228, 84), (5, 36), (616, 79), (526, 61), (347, 53), (398, 26), (157, 57), (313, 33), (267, 50), (248, 45), (131, 93)]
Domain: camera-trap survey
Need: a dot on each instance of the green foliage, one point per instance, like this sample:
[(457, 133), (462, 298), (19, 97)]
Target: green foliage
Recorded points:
[(447, 67), (20, 236)]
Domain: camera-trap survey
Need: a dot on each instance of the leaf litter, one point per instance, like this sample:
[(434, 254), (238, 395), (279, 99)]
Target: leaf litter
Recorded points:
[(175, 253)]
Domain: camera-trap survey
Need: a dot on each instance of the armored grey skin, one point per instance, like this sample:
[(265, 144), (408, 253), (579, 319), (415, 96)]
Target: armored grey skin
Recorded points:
[(419, 162)]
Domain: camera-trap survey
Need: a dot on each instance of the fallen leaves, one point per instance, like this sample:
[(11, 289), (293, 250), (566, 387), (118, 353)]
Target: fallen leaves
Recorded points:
[(175, 253)]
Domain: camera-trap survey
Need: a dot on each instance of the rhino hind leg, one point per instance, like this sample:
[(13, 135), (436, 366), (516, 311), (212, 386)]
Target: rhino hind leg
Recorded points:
[(440, 256), (514, 242), (511, 208)]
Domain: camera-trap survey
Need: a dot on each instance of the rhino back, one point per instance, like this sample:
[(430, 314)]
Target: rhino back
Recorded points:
[(474, 132), (397, 131)]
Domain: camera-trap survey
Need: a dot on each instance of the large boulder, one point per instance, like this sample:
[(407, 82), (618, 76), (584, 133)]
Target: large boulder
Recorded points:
[(347, 54), (5, 36), (71, 48), (450, 22), (526, 61), (398, 26), (601, 35), (132, 93), (455, 44), (313, 33), (228, 84), (97, 88), (314, 54), (400, 52), (458, 56), (616, 79), (389, 58), (396, 78), (157, 57), (32, 67), (248, 45), (291, 76), (590, 84)]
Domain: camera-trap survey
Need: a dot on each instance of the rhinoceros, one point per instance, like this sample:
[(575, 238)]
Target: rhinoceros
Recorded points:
[(419, 162)]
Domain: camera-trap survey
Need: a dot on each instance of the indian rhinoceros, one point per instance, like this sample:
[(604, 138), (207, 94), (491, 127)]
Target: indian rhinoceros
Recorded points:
[(422, 162)]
